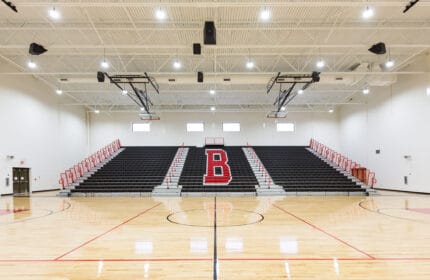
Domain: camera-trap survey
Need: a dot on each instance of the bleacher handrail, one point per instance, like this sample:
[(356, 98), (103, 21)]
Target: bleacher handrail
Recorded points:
[(71, 175), (343, 162)]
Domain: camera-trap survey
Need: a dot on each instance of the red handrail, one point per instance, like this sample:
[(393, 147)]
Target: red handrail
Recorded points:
[(341, 161), (70, 175)]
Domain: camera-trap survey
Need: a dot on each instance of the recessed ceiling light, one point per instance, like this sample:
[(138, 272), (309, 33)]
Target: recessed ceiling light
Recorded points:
[(212, 91), (283, 108), (320, 63), (177, 64), (368, 12), (389, 63), (104, 64), (124, 92), (142, 109), (97, 111), (59, 91), (265, 14), (300, 91), (366, 91), (330, 110), (428, 91), (54, 14), (213, 108), (31, 64), (160, 14), (250, 65)]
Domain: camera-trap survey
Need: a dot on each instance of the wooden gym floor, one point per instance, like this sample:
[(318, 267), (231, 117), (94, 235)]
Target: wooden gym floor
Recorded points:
[(381, 237)]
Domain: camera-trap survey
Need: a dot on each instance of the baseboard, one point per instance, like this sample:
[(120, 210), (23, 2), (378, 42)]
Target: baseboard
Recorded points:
[(396, 190), (6, 194), (50, 190)]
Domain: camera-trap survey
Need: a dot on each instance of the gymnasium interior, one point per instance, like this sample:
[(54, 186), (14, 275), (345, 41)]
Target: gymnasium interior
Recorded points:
[(214, 139)]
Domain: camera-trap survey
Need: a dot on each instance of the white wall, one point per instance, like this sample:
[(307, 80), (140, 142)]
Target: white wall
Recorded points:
[(395, 120), (39, 132), (256, 129)]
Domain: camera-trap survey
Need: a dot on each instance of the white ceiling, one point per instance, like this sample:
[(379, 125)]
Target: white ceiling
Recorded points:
[(298, 34)]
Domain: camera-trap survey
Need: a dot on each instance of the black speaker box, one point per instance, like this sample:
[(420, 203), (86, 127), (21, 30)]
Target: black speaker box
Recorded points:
[(378, 48), (200, 77), (36, 49), (100, 77), (197, 48), (209, 33)]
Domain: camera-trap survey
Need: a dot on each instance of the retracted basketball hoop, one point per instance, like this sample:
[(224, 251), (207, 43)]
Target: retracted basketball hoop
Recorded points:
[(149, 117), (286, 95), (277, 115)]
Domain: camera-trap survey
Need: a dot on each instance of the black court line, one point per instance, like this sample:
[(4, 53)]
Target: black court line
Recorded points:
[(215, 261)]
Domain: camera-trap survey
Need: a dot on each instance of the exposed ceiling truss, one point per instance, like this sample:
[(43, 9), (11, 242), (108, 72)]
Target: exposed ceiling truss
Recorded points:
[(128, 35)]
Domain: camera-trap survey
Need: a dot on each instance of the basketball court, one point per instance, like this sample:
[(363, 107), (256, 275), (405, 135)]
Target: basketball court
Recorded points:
[(245, 238)]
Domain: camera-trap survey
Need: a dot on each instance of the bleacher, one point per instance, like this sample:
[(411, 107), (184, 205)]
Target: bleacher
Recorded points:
[(136, 169), (298, 170), (194, 169)]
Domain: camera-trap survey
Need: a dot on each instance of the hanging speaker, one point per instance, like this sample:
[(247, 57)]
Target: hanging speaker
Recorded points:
[(197, 48), (100, 77), (200, 77), (36, 49), (209, 33), (378, 48)]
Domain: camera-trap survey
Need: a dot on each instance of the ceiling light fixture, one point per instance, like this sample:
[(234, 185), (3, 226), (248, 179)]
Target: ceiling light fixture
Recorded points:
[(124, 92), (59, 91), (177, 64), (320, 63), (283, 108), (265, 14), (330, 111), (212, 92), (249, 64), (389, 63), (31, 64), (54, 14), (213, 108), (300, 91), (97, 111), (368, 12), (104, 64), (160, 14), (366, 91), (428, 91)]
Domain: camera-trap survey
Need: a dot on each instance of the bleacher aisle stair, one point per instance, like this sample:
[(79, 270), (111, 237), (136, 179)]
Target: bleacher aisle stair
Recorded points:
[(243, 179)]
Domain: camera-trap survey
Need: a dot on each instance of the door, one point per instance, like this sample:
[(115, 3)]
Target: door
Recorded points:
[(21, 180)]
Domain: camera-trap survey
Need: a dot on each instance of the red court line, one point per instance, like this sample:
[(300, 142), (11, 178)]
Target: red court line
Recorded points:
[(106, 232), (110, 260), (210, 259), (324, 259), (325, 232)]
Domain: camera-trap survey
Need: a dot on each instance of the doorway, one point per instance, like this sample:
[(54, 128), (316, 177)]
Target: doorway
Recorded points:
[(21, 181)]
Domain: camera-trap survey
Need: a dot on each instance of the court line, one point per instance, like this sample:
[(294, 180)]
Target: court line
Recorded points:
[(325, 232), (108, 260), (215, 258), (211, 259), (106, 232)]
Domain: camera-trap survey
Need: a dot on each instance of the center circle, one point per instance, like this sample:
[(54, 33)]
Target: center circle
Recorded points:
[(205, 217)]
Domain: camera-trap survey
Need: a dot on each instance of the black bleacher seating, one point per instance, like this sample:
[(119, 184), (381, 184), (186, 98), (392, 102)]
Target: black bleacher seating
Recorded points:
[(136, 169), (298, 170), (243, 179)]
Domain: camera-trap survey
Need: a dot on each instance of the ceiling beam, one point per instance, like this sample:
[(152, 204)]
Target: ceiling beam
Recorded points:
[(216, 4)]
